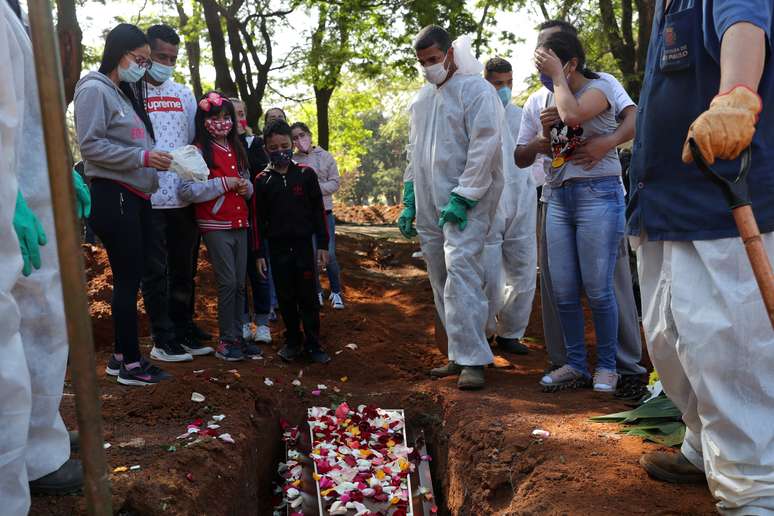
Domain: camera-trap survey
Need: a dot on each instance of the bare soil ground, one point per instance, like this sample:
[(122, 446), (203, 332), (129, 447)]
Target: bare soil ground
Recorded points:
[(484, 459)]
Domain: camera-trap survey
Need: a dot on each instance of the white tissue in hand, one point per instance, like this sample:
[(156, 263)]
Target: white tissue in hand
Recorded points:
[(188, 163)]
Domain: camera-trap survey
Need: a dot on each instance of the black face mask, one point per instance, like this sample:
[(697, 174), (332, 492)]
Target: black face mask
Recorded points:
[(281, 158)]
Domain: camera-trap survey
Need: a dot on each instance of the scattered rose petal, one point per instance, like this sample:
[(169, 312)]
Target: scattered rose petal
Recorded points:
[(197, 398), (316, 392), (106, 446), (137, 442), (539, 433), (227, 438), (135, 467), (351, 346), (321, 386), (189, 477), (344, 379), (199, 371), (120, 469), (268, 382), (218, 418), (339, 353), (296, 382)]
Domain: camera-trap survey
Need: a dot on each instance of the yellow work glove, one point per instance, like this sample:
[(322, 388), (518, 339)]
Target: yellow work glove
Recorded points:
[(727, 127)]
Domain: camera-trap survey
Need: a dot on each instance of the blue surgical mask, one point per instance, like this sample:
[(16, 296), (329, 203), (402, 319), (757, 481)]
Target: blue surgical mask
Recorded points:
[(505, 95), (281, 158), (547, 82), (160, 72), (133, 73)]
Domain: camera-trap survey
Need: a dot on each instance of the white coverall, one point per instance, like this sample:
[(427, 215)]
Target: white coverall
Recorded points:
[(710, 339), (33, 338), (510, 253), (455, 147)]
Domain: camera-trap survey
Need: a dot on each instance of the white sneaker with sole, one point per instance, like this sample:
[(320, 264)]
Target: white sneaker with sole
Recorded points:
[(605, 380), (263, 334), (336, 302), (248, 331)]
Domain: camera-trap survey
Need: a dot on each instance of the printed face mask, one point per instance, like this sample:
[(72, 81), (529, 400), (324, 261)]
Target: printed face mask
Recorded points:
[(281, 158), (133, 73), (218, 128), (160, 72), (304, 143), (505, 95)]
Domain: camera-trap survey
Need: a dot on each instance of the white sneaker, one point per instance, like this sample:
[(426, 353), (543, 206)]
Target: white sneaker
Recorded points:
[(248, 331), (336, 302), (320, 299), (263, 334)]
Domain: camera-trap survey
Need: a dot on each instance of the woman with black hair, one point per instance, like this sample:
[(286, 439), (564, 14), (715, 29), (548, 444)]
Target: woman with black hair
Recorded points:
[(116, 139), (585, 220)]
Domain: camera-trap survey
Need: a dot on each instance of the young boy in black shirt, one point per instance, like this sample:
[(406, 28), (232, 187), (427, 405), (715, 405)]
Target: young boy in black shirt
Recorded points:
[(288, 210)]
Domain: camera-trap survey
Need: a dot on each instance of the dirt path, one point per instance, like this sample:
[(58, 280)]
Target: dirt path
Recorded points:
[(484, 460)]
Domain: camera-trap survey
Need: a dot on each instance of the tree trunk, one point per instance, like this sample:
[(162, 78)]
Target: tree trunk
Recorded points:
[(192, 50), (623, 53), (322, 97), (223, 80), (70, 47)]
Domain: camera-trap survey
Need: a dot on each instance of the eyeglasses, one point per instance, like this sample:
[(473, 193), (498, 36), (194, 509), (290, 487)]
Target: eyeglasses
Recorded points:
[(141, 61)]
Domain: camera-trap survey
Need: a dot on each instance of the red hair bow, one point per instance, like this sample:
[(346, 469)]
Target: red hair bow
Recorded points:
[(211, 99)]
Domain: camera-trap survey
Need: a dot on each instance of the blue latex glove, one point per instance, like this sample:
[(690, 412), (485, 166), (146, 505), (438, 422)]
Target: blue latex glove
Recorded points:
[(409, 213), (82, 197), (456, 211), (30, 233)]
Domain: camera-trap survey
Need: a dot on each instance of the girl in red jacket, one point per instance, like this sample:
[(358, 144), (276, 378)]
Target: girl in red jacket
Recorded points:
[(222, 216)]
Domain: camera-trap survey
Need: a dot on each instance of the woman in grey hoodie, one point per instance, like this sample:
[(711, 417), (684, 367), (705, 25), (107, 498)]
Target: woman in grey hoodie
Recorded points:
[(116, 139)]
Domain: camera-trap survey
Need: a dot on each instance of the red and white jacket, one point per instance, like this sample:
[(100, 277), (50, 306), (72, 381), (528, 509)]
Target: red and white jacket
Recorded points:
[(217, 207)]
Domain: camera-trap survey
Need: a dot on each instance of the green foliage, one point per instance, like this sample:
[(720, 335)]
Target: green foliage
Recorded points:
[(657, 420)]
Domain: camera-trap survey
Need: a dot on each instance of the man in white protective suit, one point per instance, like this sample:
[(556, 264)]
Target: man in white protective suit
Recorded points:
[(510, 253), (451, 188), (35, 446)]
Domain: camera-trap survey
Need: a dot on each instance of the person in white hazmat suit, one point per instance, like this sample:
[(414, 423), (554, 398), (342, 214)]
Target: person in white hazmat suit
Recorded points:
[(451, 187), (35, 446), (510, 253)]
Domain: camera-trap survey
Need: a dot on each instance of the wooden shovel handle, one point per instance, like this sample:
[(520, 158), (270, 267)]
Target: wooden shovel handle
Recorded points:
[(756, 252)]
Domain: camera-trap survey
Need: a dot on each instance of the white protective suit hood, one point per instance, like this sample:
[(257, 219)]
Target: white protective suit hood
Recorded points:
[(466, 62)]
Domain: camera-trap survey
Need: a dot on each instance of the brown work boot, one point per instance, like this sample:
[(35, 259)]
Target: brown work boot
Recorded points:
[(471, 378), (450, 369), (672, 467)]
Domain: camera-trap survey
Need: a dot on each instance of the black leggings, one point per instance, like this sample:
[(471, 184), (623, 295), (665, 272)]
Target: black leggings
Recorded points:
[(122, 221)]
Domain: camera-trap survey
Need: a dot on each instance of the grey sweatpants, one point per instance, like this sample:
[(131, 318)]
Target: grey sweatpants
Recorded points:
[(629, 350), (228, 256)]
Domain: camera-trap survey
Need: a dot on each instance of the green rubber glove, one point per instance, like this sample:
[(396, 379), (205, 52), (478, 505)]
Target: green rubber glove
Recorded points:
[(82, 197), (409, 213), (30, 234), (456, 211)]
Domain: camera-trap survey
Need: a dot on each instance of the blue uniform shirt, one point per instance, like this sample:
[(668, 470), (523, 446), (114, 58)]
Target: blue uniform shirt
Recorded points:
[(670, 200)]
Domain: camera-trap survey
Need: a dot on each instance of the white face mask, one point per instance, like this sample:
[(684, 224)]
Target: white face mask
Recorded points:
[(435, 74)]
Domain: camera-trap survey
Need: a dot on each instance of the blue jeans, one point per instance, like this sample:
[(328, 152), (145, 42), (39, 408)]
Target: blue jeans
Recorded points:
[(584, 228), (333, 269)]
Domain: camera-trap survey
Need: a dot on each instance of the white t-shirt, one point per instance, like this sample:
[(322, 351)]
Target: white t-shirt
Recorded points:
[(172, 110), (538, 101)]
